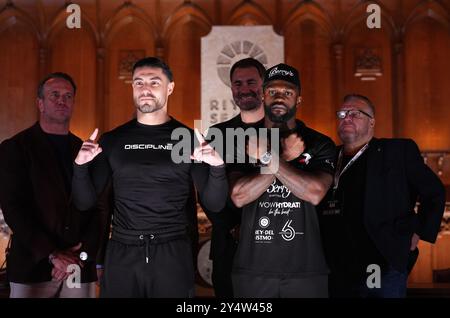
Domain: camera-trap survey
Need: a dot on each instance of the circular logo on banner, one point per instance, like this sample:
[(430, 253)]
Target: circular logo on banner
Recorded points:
[(234, 52)]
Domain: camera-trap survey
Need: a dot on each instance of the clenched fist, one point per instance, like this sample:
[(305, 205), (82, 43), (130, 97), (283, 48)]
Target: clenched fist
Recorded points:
[(292, 146)]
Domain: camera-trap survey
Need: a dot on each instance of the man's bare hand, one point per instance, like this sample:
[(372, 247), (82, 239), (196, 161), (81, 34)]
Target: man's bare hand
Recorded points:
[(59, 275), (205, 153), (89, 150), (61, 259), (292, 146)]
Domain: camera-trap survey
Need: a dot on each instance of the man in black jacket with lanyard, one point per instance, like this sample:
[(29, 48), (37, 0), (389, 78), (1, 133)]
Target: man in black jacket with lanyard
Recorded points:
[(149, 254), (369, 228)]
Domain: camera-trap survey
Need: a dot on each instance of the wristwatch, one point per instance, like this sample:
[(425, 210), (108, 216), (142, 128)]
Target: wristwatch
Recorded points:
[(51, 257), (83, 256), (266, 158)]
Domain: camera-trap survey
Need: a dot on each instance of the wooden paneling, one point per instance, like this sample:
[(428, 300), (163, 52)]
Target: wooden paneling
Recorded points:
[(3, 245), (431, 256), (19, 65), (423, 270), (119, 94), (249, 13), (184, 103), (426, 113), (379, 90), (74, 51), (308, 47), (441, 257)]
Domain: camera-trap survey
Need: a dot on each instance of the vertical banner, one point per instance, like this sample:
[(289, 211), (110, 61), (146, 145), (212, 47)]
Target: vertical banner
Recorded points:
[(221, 48)]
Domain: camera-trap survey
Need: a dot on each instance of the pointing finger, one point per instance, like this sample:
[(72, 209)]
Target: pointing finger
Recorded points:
[(199, 135), (94, 135)]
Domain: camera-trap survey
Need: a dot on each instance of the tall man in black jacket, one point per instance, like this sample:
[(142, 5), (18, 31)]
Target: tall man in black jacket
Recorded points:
[(49, 235)]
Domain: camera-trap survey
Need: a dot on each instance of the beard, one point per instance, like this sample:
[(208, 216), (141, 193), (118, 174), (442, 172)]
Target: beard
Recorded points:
[(279, 119), (147, 107), (245, 103)]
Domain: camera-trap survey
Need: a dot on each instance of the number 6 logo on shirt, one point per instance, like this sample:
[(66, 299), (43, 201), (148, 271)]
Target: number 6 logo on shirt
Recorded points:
[(288, 232)]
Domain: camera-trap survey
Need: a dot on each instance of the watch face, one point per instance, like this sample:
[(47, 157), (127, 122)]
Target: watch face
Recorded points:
[(83, 256), (265, 158)]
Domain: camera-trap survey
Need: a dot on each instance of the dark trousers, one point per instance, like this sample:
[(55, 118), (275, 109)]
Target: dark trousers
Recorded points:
[(221, 278), (169, 271), (250, 286), (392, 285), (221, 271)]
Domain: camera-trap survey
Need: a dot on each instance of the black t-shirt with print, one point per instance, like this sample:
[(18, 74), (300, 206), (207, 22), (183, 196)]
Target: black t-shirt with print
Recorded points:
[(279, 233)]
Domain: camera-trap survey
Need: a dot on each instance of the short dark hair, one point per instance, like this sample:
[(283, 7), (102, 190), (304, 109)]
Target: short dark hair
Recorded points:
[(154, 62), (363, 98), (247, 63), (67, 77)]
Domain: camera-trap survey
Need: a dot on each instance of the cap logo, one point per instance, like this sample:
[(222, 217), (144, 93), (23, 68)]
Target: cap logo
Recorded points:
[(276, 71)]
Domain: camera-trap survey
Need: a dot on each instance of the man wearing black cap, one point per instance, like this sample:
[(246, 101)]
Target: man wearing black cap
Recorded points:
[(280, 252)]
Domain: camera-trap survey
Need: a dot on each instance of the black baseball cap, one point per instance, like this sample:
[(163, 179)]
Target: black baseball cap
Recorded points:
[(282, 72)]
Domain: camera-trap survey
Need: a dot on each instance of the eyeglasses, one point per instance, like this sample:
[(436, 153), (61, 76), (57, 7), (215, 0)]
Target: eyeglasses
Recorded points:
[(352, 113)]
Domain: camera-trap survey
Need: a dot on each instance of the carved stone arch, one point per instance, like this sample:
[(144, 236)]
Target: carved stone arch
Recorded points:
[(358, 14), (249, 13), (428, 9), (307, 32), (125, 14), (59, 22), (19, 43), (426, 45), (368, 62), (10, 15), (187, 12), (310, 11)]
